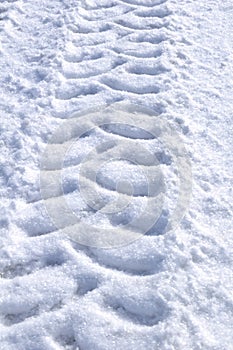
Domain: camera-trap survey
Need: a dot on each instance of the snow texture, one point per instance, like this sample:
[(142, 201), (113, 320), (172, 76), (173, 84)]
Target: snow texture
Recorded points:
[(169, 289)]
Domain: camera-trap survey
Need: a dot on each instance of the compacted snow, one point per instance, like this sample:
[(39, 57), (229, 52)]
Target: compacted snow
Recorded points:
[(116, 175)]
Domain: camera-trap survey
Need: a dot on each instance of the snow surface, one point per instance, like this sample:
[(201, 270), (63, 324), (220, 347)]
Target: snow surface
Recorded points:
[(167, 290)]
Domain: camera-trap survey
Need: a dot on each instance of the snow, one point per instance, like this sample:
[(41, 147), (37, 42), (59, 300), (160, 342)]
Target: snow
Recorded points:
[(116, 175)]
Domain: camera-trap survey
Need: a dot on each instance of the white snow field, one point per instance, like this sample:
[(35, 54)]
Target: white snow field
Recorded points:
[(163, 286)]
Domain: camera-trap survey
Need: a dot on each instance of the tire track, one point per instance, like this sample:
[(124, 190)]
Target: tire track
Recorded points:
[(128, 29)]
